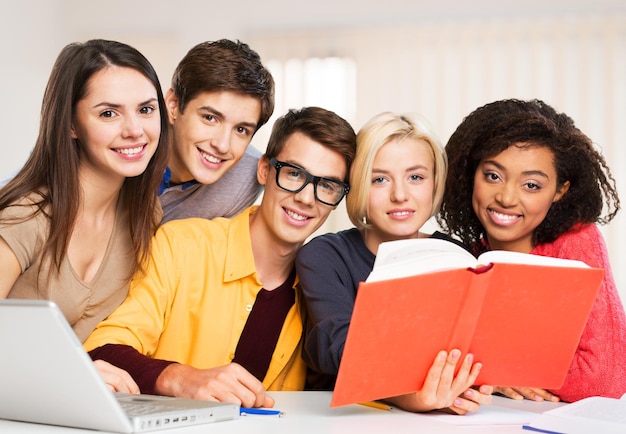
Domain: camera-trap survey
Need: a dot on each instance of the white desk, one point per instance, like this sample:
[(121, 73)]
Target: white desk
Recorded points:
[(309, 412)]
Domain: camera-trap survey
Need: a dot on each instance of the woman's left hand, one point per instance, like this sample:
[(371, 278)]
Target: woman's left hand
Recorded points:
[(531, 393)]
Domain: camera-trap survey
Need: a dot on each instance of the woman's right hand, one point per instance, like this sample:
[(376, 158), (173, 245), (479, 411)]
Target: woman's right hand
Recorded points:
[(444, 390), (117, 379)]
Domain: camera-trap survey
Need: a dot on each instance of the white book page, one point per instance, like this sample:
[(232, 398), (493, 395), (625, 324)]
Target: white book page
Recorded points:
[(404, 258), (503, 256)]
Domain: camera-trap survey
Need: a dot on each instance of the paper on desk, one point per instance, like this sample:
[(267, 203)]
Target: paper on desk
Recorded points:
[(487, 415), (594, 414)]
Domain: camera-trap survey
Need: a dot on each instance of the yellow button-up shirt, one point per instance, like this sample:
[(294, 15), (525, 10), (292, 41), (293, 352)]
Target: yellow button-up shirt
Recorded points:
[(191, 304)]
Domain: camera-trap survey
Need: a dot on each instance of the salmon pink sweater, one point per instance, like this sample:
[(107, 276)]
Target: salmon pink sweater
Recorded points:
[(599, 364)]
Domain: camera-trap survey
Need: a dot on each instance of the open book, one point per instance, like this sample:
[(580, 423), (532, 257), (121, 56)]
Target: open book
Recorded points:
[(404, 258), (521, 316), (589, 415)]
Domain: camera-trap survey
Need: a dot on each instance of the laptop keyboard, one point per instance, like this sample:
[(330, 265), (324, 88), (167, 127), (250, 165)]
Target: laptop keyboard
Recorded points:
[(142, 408)]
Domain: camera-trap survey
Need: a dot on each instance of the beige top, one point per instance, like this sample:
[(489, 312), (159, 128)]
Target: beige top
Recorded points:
[(83, 304)]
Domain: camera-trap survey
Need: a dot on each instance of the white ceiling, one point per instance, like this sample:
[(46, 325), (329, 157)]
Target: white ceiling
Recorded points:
[(228, 18)]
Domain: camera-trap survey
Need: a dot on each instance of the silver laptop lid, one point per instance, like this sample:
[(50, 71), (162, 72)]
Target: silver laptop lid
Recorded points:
[(47, 377)]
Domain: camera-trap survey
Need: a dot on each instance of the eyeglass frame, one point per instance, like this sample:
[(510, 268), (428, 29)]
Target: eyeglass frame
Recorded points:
[(278, 165)]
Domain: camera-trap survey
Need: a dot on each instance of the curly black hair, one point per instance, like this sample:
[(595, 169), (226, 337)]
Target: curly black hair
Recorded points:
[(496, 126)]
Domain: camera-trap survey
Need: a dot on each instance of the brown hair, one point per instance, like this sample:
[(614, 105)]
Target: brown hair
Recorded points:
[(51, 171), (224, 65), (321, 125)]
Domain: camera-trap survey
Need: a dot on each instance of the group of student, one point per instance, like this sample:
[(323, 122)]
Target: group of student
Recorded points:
[(135, 214)]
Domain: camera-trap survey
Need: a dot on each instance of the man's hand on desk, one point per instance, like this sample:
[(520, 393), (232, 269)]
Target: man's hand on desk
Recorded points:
[(228, 383), (526, 392), (117, 379)]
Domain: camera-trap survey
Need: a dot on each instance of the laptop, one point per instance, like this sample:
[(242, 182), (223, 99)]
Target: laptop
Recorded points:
[(47, 377)]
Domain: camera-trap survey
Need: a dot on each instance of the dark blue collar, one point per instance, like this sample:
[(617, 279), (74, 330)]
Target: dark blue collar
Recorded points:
[(165, 181)]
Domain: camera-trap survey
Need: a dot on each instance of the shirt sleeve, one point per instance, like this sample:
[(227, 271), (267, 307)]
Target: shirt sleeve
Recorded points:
[(144, 370), (27, 235), (599, 364), (238, 188), (329, 293)]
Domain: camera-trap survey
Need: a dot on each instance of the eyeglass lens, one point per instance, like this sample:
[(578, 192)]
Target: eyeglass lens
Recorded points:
[(295, 179)]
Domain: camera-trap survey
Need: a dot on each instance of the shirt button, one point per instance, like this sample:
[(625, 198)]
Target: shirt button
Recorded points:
[(248, 307), (231, 356)]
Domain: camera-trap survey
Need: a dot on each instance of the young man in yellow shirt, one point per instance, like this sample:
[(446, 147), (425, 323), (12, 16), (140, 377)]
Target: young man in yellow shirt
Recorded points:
[(215, 314)]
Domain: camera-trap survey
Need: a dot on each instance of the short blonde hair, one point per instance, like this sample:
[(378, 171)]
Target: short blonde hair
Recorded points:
[(376, 132)]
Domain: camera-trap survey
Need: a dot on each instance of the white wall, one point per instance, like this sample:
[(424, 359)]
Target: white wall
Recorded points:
[(29, 43), (34, 31), (442, 58)]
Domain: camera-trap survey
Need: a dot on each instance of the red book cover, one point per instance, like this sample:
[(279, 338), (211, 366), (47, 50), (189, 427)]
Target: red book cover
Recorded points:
[(522, 322)]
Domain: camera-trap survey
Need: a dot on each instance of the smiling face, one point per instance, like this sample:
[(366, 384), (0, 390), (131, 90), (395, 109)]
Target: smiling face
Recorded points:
[(401, 191), (513, 192), (291, 217), (211, 135), (117, 124)]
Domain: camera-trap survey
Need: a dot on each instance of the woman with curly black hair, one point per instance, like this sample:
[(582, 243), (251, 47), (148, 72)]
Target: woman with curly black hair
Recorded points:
[(522, 177)]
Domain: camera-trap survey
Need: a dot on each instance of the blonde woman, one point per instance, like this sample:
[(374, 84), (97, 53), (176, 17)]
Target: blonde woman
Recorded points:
[(396, 185)]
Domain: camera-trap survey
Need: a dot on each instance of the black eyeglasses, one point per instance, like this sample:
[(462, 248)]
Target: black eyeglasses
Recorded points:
[(327, 191)]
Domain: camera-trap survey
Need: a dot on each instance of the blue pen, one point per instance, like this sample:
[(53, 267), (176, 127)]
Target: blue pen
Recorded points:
[(532, 428), (246, 411)]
